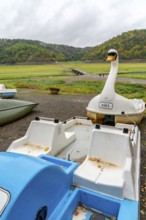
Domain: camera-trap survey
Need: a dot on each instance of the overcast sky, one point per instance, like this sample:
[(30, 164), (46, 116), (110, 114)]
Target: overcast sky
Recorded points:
[(77, 23)]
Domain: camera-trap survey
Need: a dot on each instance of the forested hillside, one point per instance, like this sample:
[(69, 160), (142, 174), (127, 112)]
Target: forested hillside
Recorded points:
[(29, 51), (69, 53), (130, 45)]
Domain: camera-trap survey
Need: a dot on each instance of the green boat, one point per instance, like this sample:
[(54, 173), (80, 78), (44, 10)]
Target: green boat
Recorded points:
[(12, 110)]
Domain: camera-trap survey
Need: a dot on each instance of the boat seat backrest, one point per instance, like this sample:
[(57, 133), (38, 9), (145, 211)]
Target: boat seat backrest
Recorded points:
[(41, 132), (109, 146)]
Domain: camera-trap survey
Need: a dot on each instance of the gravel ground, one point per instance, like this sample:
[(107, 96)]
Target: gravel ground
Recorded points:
[(64, 107)]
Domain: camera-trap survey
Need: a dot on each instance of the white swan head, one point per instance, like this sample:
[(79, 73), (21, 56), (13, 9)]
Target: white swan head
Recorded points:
[(113, 55)]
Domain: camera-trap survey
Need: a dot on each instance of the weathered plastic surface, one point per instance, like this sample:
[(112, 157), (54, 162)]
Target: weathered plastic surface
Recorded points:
[(32, 184), (34, 188)]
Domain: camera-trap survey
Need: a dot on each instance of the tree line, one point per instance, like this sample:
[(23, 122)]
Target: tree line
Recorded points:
[(29, 51), (130, 45)]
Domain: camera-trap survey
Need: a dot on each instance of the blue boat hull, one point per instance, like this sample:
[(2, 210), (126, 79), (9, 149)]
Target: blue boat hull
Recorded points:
[(7, 95), (34, 188)]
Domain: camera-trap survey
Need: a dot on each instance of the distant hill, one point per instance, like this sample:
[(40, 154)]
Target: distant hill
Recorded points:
[(130, 45), (69, 53), (29, 51)]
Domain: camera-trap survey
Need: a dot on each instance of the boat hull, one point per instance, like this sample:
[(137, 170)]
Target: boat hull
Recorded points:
[(7, 95), (54, 175), (130, 119), (125, 119), (11, 110)]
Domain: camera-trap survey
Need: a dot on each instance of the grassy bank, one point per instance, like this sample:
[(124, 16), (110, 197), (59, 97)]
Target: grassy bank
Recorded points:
[(42, 77), (137, 70)]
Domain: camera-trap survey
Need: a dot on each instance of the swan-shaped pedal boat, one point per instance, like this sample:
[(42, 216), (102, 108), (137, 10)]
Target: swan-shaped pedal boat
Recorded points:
[(109, 105)]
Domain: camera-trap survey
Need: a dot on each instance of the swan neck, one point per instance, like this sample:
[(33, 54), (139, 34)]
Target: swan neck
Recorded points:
[(108, 92)]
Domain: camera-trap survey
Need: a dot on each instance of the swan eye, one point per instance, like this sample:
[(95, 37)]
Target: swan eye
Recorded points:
[(112, 54)]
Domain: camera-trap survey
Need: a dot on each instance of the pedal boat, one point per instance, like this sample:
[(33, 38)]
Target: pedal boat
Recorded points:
[(112, 107), (91, 171)]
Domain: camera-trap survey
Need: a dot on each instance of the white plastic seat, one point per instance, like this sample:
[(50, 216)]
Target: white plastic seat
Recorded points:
[(43, 137), (107, 168)]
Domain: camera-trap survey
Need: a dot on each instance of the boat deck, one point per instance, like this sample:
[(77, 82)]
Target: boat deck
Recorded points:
[(85, 213), (37, 140), (74, 151), (77, 150)]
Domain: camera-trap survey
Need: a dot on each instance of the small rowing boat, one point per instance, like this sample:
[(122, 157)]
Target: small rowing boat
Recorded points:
[(11, 110)]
